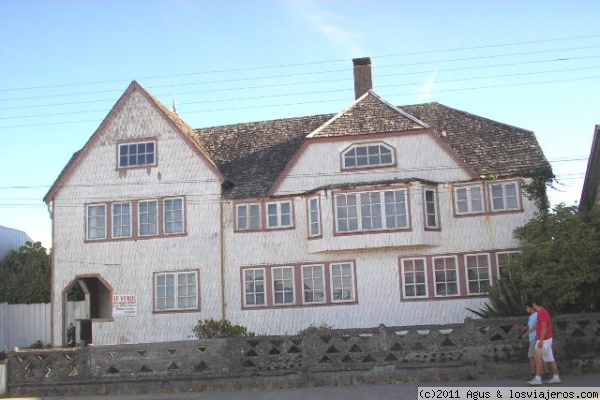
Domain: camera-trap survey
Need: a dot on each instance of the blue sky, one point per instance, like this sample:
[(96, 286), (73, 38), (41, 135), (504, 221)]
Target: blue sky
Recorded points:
[(63, 65)]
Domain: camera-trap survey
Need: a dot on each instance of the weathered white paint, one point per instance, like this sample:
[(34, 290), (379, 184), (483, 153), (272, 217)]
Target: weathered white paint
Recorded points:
[(320, 164), (128, 265)]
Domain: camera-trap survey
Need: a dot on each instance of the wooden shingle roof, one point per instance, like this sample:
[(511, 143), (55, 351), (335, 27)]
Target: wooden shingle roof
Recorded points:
[(369, 114), (253, 155)]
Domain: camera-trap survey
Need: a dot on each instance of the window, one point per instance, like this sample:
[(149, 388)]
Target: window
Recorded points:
[(504, 196), (478, 273), (342, 282), (364, 156), (310, 285), (431, 217), (248, 216), (96, 222), (469, 200), (254, 287), (414, 279), (173, 216), (148, 217), (279, 214), (371, 211), (445, 276), (501, 261), (176, 291), (121, 217), (137, 154), (314, 217), (283, 285), (313, 283)]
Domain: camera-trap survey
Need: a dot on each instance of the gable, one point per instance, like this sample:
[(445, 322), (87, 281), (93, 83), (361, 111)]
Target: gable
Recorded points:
[(369, 114), (415, 155), (134, 117)]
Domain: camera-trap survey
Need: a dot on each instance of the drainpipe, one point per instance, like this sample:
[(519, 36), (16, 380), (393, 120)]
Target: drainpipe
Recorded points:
[(222, 239)]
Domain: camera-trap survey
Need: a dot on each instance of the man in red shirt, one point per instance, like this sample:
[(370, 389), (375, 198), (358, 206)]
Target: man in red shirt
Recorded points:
[(543, 352)]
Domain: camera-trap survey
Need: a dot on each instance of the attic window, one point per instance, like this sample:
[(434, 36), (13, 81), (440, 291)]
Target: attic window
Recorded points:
[(368, 156), (137, 154)]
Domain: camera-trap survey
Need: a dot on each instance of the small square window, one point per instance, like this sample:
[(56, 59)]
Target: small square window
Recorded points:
[(137, 154)]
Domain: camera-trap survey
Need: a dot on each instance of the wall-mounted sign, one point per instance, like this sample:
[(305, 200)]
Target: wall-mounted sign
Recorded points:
[(125, 305)]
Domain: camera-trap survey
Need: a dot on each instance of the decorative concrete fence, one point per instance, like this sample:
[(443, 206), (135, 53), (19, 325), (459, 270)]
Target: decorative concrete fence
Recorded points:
[(481, 348)]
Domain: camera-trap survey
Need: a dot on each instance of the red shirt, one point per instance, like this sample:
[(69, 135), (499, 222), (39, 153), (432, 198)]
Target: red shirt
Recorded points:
[(543, 316)]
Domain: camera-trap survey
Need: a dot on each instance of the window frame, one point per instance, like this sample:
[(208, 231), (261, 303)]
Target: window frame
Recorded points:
[(284, 290), (299, 273), (248, 217), (414, 284), (316, 211), (436, 211), (89, 226), (164, 215), (499, 265), (254, 292), (469, 198), (503, 185), (457, 280), (176, 289), (156, 223), (359, 215), (488, 268), (352, 282), (354, 147), (137, 143), (279, 214), (130, 220), (312, 289)]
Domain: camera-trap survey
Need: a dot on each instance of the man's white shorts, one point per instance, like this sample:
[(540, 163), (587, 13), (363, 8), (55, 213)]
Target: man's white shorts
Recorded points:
[(547, 355)]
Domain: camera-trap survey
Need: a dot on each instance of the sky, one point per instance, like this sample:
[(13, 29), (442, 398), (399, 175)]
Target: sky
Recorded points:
[(64, 64)]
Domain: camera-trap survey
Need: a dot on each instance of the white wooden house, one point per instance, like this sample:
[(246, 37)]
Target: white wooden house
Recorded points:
[(376, 215)]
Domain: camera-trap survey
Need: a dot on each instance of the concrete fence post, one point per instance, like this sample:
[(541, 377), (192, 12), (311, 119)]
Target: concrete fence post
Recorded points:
[(3, 371)]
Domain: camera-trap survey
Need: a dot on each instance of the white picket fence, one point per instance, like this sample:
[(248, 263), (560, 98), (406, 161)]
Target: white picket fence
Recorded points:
[(21, 325)]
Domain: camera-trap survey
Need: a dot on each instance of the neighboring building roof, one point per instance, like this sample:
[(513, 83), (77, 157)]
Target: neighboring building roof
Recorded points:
[(589, 193), (11, 239)]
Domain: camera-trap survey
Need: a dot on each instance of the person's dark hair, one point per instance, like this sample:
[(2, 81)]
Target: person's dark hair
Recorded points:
[(529, 304)]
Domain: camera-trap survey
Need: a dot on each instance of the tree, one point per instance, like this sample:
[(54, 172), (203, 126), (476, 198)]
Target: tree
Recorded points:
[(559, 260), (558, 263), (25, 275)]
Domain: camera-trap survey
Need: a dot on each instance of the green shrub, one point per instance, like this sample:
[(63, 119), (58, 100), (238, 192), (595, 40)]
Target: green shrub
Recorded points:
[(71, 335), (216, 329)]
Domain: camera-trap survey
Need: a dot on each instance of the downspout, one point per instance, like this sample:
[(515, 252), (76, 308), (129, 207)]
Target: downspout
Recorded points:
[(50, 206), (222, 239)]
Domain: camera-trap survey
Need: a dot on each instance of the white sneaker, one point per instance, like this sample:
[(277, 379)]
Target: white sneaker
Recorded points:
[(554, 379), (535, 382)]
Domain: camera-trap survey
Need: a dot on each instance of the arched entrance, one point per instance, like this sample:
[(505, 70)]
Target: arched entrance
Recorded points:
[(85, 299)]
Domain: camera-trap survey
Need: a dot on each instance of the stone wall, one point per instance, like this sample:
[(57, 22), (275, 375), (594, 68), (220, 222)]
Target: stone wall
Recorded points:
[(476, 349)]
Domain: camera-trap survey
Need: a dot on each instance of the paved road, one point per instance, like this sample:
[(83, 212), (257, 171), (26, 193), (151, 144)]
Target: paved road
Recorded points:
[(399, 391)]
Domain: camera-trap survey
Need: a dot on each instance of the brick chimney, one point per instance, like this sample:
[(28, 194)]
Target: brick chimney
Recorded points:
[(362, 76)]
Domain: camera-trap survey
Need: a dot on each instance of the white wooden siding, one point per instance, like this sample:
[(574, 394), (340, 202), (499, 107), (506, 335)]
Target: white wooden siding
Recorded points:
[(320, 164), (128, 265)]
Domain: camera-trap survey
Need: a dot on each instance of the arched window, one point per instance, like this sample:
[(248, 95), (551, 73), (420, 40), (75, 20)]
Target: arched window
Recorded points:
[(367, 155)]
